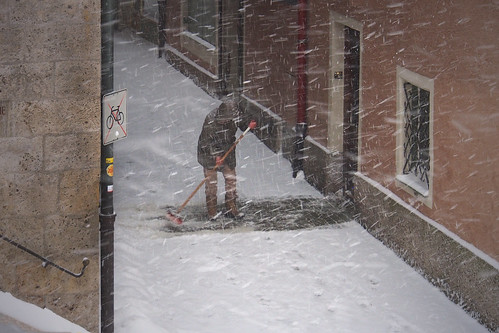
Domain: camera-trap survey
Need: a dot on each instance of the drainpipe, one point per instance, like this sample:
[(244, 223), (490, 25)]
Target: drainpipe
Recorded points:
[(161, 27), (240, 47), (222, 66), (106, 214), (301, 114)]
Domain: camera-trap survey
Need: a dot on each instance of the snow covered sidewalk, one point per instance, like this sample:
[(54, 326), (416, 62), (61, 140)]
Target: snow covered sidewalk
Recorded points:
[(334, 278)]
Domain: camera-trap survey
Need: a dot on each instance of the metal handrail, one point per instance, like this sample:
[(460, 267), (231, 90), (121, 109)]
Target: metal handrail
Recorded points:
[(46, 262)]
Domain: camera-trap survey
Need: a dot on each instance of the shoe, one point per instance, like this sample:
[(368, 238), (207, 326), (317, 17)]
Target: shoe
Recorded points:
[(231, 215), (215, 217)]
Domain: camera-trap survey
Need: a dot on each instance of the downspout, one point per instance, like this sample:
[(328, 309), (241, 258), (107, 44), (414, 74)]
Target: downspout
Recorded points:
[(301, 96), (222, 88), (240, 47), (161, 27), (106, 214)]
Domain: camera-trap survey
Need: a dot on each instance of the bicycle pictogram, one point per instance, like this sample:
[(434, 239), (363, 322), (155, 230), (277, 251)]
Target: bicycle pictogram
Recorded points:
[(116, 115)]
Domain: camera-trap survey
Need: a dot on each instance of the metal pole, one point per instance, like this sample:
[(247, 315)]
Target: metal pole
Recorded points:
[(301, 114), (107, 215)]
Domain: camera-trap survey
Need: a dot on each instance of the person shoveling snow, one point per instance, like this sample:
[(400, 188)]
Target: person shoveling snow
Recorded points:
[(216, 153)]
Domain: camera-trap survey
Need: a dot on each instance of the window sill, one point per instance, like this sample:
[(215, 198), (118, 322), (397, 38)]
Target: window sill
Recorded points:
[(414, 184), (199, 47), (207, 46)]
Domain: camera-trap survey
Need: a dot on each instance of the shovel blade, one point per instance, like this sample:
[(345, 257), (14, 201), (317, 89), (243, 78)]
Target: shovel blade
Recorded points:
[(174, 217)]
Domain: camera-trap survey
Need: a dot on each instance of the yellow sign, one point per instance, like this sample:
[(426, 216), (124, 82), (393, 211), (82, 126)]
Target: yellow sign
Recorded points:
[(110, 170)]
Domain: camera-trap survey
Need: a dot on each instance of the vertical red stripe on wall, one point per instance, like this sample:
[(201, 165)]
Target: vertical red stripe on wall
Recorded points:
[(302, 63)]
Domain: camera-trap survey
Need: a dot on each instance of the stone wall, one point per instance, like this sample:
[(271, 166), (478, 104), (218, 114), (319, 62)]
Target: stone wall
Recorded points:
[(50, 152)]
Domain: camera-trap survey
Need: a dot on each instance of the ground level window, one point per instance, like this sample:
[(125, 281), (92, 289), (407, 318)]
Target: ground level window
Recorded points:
[(415, 132), (150, 9), (201, 19)]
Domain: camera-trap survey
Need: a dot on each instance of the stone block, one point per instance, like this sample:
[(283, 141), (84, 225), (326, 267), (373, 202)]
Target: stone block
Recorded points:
[(28, 195), (72, 151), (26, 231), (5, 13), (83, 81), (62, 41), (25, 13), (71, 235), (79, 191), (33, 80), (21, 154), (56, 116), (10, 39)]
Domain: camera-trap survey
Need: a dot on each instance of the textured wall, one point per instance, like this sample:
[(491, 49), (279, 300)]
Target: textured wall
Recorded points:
[(50, 152)]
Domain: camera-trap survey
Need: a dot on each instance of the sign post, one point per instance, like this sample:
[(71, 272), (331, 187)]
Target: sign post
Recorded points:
[(107, 215)]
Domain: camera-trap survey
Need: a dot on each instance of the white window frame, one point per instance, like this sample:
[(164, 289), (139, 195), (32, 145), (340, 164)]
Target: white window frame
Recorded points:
[(336, 91), (409, 183)]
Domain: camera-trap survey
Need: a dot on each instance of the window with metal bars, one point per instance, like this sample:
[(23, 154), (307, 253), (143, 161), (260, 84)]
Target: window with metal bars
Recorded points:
[(417, 134)]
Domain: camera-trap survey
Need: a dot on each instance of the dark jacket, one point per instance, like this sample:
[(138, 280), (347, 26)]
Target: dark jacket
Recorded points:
[(215, 140)]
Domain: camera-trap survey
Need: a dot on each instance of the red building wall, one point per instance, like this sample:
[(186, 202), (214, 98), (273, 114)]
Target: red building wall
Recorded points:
[(452, 43)]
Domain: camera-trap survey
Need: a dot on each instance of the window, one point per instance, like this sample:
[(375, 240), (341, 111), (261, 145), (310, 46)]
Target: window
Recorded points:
[(414, 138), (199, 35), (416, 134), (201, 19), (150, 9)]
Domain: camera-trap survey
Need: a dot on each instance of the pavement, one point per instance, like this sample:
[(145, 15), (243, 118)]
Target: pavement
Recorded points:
[(265, 215)]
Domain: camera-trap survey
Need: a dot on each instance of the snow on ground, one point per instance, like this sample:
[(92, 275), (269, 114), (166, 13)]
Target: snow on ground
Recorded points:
[(329, 279), (31, 318)]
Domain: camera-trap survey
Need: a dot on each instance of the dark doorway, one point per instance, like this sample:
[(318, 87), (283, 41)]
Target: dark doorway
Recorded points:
[(351, 109)]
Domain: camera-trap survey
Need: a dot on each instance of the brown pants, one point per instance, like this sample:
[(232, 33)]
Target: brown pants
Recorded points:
[(211, 190)]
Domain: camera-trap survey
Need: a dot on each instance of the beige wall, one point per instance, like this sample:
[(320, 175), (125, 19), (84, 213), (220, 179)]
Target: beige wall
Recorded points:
[(49, 153)]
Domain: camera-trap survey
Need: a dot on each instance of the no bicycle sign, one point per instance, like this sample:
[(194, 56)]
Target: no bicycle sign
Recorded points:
[(113, 116)]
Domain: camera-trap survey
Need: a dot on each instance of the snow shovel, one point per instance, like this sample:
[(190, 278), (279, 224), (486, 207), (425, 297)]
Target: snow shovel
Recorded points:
[(175, 216)]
